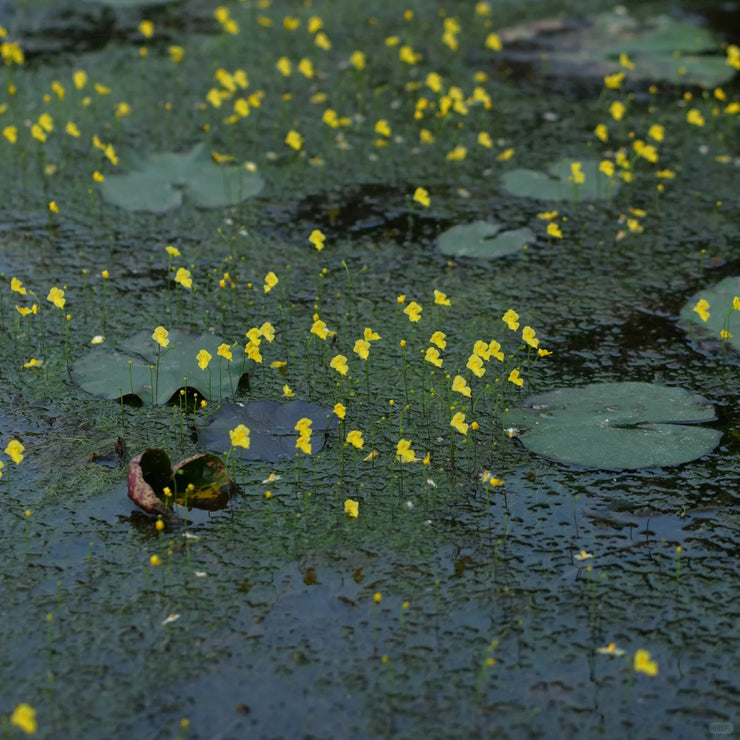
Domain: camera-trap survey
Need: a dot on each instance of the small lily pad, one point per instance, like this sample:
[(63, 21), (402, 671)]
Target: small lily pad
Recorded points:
[(159, 182), (200, 482), (720, 298), (129, 372), (616, 425), (483, 240), (556, 185), (271, 428)]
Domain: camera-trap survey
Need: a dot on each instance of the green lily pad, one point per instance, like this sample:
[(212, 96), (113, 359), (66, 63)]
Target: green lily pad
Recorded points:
[(271, 428), (616, 425), (200, 482), (483, 240), (590, 48), (129, 372), (159, 182), (719, 297), (555, 184)]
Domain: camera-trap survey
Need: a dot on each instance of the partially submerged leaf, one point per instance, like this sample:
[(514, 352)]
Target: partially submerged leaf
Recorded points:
[(721, 314), (200, 482), (271, 428), (129, 373), (555, 184), (616, 425), (483, 240), (160, 182)]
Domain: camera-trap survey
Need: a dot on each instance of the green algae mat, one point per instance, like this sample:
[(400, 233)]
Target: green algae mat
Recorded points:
[(368, 371)]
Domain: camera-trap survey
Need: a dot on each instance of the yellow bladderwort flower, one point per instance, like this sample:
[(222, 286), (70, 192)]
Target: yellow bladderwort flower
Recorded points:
[(614, 82), (339, 363), (56, 296), (288, 392), (239, 436), (441, 298), (484, 139), (641, 663), (493, 42), (24, 718), (439, 339), (79, 77), (224, 350), (294, 140), (53, 207), (694, 117), (515, 377), (146, 29), (161, 336), (362, 348), (340, 410), (702, 308), (317, 238), (413, 311), (14, 451), (203, 357), (355, 439), (267, 331), (475, 365), (459, 424), (576, 173), (382, 128), (606, 166), (404, 453), (305, 67), (480, 348), (617, 110), (511, 319), (432, 355), (611, 649), (421, 195), (17, 286), (352, 508), (370, 336), (319, 329), (602, 133), (506, 155), (271, 280), (11, 134), (656, 132), (177, 53), (736, 303), (528, 335), (357, 60), (98, 176), (182, 276), (460, 385), (554, 230), (625, 61), (457, 154)]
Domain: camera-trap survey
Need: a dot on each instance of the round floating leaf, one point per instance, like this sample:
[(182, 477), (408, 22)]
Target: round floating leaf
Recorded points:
[(159, 183), (271, 427), (483, 240), (616, 425), (555, 184), (129, 373), (720, 298)]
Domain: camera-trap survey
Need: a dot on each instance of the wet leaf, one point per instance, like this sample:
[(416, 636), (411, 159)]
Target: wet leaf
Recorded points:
[(483, 240), (590, 48), (159, 182), (129, 372), (555, 184), (271, 428), (719, 297), (616, 425)]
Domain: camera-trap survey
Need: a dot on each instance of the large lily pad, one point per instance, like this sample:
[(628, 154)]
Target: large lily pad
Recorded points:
[(158, 183), (200, 482), (719, 297), (271, 428), (483, 240), (616, 425), (555, 184), (590, 48), (129, 372)]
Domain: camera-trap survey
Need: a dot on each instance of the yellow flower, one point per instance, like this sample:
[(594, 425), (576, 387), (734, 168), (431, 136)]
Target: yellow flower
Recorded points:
[(26, 311), (340, 410), (355, 438), (357, 60), (528, 335), (14, 451), (122, 109), (493, 42), (475, 365), (182, 276), (554, 230), (17, 286), (506, 155), (304, 444), (33, 362), (432, 355), (322, 41), (101, 89), (317, 238), (695, 118), (161, 336), (702, 308), (267, 330), (203, 357), (543, 352), (24, 718), (515, 378), (480, 348), (583, 555), (382, 128), (79, 77), (53, 207), (362, 348), (305, 67), (294, 140), (511, 319), (98, 176), (413, 311), (224, 350), (252, 351), (484, 139), (352, 508), (642, 663), (172, 251), (614, 82), (457, 154), (426, 136), (422, 196), (610, 649), (177, 53), (404, 453), (441, 299), (576, 173), (288, 392), (239, 436), (146, 28), (271, 280), (56, 296), (339, 363), (665, 174), (625, 61), (439, 339), (736, 303), (459, 424), (319, 329), (602, 133), (155, 560), (607, 167), (656, 132), (460, 385), (617, 110), (72, 130), (547, 215), (11, 134), (369, 335)]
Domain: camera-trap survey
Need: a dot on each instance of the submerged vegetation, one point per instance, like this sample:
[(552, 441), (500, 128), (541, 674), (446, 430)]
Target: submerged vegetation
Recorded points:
[(359, 257)]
